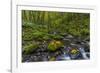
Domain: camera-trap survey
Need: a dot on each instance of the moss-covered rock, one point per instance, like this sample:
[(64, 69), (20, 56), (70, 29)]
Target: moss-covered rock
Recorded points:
[(52, 59), (74, 51), (54, 45)]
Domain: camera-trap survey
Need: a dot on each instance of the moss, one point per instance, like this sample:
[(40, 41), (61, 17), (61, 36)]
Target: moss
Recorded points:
[(74, 51), (52, 59), (54, 45), (28, 49)]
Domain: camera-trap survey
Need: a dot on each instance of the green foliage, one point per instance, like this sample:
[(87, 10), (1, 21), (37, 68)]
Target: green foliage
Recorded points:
[(61, 22), (27, 35), (40, 35), (29, 48), (48, 25), (55, 37)]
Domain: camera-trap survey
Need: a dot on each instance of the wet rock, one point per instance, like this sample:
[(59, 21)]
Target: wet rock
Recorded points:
[(63, 57), (25, 58), (86, 47), (38, 53), (41, 50), (69, 37), (88, 55), (82, 51), (33, 58)]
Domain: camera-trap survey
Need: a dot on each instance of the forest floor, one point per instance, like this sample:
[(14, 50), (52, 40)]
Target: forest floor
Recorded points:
[(74, 49)]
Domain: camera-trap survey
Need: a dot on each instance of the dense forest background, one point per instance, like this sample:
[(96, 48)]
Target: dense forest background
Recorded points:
[(40, 28), (76, 24)]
